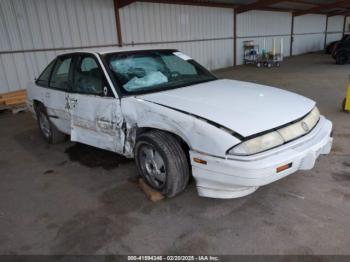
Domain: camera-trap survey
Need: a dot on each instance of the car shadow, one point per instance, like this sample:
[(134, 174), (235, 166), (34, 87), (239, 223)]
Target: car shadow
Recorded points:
[(92, 157)]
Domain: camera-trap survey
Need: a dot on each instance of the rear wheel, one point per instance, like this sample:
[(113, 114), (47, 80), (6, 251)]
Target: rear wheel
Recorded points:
[(50, 133), (342, 58), (162, 162)]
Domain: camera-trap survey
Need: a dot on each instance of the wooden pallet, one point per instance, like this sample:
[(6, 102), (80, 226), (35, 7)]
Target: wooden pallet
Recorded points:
[(14, 101), (150, 193)]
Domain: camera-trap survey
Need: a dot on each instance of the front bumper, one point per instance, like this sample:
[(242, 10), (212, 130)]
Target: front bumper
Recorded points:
[(233, 177)]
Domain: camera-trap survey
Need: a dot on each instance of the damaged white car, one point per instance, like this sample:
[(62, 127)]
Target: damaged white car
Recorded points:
[(177, 119)]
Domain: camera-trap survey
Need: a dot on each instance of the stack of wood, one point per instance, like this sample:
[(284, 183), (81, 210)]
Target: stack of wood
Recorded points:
[(13, 100), (150, 193)]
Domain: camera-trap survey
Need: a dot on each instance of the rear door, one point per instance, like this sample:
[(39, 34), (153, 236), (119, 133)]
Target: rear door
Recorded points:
[(55, 96), (96, 117)]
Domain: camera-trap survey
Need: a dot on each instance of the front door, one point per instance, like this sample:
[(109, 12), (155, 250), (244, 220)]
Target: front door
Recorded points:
[(96, 117)]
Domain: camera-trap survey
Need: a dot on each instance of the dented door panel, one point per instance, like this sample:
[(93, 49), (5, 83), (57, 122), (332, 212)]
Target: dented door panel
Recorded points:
[(56, 106), (97, 121)]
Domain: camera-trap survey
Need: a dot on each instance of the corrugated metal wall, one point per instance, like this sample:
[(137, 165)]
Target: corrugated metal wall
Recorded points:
[(205, 33), (334, 28), (309, 33), (29, 25), (33, 32), (262, 27), (56, 24)]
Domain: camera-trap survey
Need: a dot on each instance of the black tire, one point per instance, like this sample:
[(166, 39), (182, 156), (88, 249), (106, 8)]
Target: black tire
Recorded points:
[(341, 58), (329, 48), (48, 130), (171, 178)]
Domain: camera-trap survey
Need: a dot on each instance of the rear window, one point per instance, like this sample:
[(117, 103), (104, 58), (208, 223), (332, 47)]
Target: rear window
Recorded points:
[(44, 78), (60, 75)]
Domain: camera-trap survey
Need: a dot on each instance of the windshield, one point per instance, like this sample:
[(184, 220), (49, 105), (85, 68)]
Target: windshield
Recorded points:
[(148, 71)]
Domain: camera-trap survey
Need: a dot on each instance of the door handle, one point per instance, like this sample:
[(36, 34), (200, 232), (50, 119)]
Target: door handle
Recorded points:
[(103, 121), (47, 94), (71, 102)]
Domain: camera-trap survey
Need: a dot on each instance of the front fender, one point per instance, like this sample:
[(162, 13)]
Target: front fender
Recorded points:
[(197, 133)]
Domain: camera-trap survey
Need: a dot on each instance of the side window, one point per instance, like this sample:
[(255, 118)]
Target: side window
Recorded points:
[(60, 74), (88, 77), (43, 79)]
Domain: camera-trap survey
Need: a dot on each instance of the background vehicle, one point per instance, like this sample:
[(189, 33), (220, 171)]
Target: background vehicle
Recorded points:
[(341, 51), (331, 45)]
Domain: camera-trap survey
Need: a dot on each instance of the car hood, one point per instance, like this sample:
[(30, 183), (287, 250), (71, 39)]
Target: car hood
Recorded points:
[(246, 108)]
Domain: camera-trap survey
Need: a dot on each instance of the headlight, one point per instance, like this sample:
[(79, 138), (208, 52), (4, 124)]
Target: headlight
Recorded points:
[(258, 144), (301, 127), (312, 118), (278, 137)]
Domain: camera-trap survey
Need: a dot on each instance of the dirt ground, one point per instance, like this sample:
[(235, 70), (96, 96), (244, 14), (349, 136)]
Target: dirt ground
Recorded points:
[(74, 199)]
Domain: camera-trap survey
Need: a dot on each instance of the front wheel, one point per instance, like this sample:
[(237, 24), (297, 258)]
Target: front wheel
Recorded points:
[(162, 162)]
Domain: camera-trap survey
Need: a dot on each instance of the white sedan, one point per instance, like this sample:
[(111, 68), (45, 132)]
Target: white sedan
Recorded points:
[(177, 119)]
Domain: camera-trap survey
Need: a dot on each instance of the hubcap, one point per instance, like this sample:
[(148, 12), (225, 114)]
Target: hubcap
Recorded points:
[(153, 166), (44, 124)]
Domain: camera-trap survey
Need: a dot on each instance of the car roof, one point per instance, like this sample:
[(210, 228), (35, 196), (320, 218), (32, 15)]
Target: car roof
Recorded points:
[(115, 50)]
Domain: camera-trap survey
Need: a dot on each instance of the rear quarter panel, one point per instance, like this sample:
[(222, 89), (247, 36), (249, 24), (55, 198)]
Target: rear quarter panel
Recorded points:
[(34, 93)]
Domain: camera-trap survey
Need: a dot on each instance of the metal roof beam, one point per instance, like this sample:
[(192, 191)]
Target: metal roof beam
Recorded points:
[(265, 5), (300, 2), (339, 12), (256, 5), (179, 2), (122, 3), (322, 7)]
